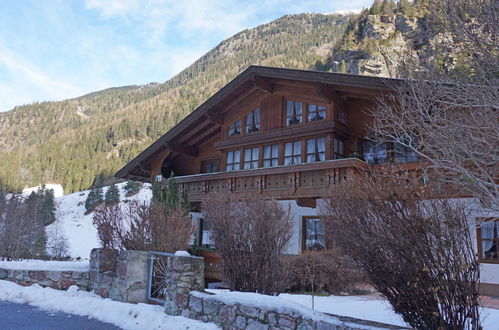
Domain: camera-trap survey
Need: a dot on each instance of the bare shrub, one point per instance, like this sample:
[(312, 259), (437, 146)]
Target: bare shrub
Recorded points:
[(329, 271), (416, 251), (22, 234), (143, 227), (251, 236)]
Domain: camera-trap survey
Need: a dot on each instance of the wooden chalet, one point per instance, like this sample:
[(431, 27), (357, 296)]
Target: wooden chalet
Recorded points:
[(282, 133)]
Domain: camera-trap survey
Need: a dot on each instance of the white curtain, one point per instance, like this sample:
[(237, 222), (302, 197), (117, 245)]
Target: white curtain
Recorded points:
[(314, 234), (297, 152), (311, 150), (288, 153), (321, 148), (487, 229), (237, 159)]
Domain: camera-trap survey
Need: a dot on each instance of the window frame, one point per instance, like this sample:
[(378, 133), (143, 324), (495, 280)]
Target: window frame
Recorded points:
[(252, 159), (376, 152), (237, 128), (293, 155), (336, 143), (248, 128), (294, 115), (479, 241), (315, 153), (208, 161), (272, 158), (316, 111), (304, 219), (233, 163)]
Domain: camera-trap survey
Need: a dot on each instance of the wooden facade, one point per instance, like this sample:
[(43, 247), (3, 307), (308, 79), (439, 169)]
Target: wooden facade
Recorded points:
[(281, 133)]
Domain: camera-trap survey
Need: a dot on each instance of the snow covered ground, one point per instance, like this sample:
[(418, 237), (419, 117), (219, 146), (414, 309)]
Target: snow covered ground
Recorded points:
[(31, 264), (73, 301), (77, 228), (372, 308)]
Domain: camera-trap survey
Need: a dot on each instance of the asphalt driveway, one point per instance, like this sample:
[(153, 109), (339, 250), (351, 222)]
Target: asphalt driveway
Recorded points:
[(17, 316)]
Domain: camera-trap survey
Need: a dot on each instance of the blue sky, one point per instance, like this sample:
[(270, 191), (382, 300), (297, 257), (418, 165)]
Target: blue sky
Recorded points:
[(58, 49)]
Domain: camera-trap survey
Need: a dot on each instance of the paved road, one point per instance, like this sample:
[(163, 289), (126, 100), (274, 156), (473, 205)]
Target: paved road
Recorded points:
[(25, 317)]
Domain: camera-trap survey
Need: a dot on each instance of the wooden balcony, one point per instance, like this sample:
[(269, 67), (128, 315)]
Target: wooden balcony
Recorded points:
[(282, 182)]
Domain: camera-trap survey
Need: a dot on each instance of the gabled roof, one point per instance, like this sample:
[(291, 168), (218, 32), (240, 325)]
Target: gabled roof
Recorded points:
[(245, 81)]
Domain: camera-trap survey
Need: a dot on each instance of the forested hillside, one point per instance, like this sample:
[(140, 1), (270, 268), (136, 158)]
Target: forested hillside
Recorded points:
[(72, 141)]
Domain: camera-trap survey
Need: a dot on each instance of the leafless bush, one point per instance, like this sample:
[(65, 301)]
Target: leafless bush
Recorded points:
[(416, 251), (448, 114), (251, 236), (329, 271), (143, 227), (22, 234)]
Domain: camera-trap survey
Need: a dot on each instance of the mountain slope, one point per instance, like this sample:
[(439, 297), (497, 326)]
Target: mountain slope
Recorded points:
[(72, 141)]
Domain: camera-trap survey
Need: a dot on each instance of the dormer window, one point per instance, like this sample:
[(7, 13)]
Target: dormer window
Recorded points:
[(316, 112), (253, 121), (294, 111), (235, 128)]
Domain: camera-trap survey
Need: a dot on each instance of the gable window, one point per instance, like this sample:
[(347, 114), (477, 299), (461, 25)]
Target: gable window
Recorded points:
[(253, 121), (338, 149), (235, 128), (251, 158), (374, 152), (210, 166), (313, 234), (233, 160), (488, 240), (316, 112), (292, 153), (271, 155), (316, 150), (294, 112)]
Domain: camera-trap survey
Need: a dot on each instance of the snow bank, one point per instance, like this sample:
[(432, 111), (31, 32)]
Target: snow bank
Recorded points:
[(31, 264), (73, 301), (57, 188)]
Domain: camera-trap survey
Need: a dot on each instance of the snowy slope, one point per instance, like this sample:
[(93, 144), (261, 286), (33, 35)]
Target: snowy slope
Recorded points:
[(76, 227)]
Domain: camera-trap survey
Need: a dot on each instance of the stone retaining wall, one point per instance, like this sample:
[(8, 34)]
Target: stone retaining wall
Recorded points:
[(53, 279)]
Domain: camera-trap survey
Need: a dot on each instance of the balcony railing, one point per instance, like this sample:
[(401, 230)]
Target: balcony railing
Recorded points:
[(291, 181)]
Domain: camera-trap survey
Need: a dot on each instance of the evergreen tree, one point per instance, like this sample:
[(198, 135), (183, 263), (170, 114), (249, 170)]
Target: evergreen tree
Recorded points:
[(375, 8), (132, 187), (388, 7), (94, 198), (112, 195), (47, 207)]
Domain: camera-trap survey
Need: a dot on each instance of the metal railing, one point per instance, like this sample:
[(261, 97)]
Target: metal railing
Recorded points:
[(157, 266)]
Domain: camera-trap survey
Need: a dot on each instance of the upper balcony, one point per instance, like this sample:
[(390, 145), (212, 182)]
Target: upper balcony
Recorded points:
[(282, 182)]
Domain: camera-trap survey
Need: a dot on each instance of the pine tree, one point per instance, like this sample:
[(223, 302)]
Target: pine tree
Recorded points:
[(375, 8), (132, 187), (112, 195), (94, 198), (47, 207), (387, 7)]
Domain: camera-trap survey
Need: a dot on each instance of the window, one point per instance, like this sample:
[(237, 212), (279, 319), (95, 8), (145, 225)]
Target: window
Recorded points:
[(316, 150), (210, 166), (233, 160), (235, 128), (403, 154), (292, 153), (374, 152), (251, 158), (316, 112), (271, 155), (294, 113), (253, 121), (205, 237), (313, 234), (342, 117), (488, 240), (338, 149)]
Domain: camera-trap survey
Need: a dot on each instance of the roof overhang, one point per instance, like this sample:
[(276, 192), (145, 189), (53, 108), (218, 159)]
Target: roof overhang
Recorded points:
[(254, 77)]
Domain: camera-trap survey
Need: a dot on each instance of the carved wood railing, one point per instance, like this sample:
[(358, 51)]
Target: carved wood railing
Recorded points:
[(291, 181)]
